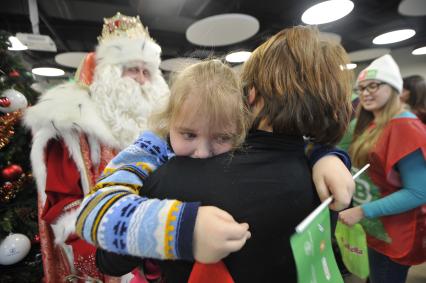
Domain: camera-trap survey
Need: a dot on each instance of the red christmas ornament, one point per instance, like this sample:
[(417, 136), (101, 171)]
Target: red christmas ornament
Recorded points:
[(4, 102), (14, 74), (117, 23), (7, 186), (11, 172)]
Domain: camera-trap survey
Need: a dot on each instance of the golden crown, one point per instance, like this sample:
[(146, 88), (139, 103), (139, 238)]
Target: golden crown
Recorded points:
[(122, 26)]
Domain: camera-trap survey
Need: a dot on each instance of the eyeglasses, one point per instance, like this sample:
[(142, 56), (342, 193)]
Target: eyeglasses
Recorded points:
[(371, 88)]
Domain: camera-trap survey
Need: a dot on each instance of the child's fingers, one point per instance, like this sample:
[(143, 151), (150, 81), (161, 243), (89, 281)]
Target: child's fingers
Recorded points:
[(236, 231), (342, 197), (344, 218), (235, 245), (322, 189)]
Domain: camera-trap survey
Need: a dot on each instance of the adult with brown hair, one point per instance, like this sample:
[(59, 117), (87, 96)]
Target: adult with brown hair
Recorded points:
[(392, 194), (301, 91), (414, 95)]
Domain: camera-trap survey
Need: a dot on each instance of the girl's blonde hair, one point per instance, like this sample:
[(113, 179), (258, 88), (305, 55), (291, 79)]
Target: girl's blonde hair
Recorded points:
[(217, 94), (304, 85), (364, 139)]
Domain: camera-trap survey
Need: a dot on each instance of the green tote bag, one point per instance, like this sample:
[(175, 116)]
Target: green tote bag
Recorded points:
[(353, 247)]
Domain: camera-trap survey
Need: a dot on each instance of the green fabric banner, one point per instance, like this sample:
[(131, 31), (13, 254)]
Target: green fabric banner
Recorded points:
[(313, 253), (366, 191)]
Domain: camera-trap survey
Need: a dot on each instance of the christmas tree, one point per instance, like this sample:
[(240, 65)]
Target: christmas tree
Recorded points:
[(20, 258)]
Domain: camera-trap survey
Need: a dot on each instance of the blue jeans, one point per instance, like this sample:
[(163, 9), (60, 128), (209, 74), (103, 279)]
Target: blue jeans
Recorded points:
[(384, 270)]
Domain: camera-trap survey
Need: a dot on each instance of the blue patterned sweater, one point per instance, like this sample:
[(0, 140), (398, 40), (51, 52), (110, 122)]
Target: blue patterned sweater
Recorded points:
[(116, 218)]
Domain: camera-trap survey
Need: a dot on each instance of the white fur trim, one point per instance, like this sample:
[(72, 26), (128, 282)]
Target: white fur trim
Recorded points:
[(65, 226), (65, 111), (68, 108), (122, 50)]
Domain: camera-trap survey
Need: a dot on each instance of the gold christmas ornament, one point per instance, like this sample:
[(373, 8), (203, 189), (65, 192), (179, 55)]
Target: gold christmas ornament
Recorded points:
[(9, 190), (7, 121)]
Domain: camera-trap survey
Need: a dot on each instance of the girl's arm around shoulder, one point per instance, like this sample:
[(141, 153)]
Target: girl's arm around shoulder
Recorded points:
[(136, 162), (120, 221)]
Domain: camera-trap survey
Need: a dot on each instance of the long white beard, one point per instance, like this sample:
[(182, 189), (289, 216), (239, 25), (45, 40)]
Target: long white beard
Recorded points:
[(123, 104)]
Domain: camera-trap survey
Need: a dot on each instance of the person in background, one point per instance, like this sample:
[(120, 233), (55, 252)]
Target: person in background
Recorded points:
[(393, 194), (78, 127), (269, 180), (414, 95)]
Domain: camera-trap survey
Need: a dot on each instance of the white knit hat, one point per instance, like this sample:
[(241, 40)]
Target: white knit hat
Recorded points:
[(383, 69), (124, 39)]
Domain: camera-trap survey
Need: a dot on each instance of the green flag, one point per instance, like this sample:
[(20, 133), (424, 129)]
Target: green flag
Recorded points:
[(313, 253)]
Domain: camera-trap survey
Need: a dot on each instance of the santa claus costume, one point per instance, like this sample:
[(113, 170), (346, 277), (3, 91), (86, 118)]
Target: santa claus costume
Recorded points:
[(78, 127)]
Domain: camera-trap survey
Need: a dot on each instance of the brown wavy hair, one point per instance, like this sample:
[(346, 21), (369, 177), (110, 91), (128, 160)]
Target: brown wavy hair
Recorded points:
[(304, 84)]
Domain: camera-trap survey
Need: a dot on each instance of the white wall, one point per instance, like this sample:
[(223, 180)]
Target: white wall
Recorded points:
[(408, 63)]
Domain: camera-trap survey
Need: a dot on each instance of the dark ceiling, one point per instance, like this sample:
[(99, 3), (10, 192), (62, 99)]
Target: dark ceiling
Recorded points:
[(75, 24)]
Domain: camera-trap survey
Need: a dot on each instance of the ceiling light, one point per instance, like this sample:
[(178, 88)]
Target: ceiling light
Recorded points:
[(238, 57), (412, 8), (223, 29), (327, 11), (177, 64), (419, 51), (349, 66), (368, 54), (394, 36), (70, 59), (16, 44), (329, 36), (48, 72)]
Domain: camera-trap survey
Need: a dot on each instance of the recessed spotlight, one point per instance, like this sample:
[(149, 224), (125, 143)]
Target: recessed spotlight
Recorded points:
[(330, 36), (349, 66), (394, 36), (412, 8), (238, 57), (327, 11), (368, 54), (48, 72), (16, 44), (70, 59), (222, 29), (419, 51)]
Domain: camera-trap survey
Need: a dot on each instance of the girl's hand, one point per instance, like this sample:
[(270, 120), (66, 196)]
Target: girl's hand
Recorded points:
[(331, 177), (217, 234), (351, 216)]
